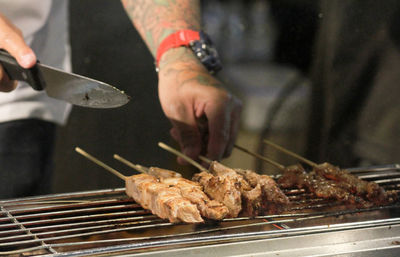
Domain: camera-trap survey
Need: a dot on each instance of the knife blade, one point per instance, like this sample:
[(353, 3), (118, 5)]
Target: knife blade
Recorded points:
[(73, 88)]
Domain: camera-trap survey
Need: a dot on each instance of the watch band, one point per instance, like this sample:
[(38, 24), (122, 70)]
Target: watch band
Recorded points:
[(198, 42), (177, 39)]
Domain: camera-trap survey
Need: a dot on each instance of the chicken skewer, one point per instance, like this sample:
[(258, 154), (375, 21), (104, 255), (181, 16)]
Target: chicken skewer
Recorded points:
[(271, 199), (369, 190), (256, 199), (219, 188), (163, 201), (190, 190)]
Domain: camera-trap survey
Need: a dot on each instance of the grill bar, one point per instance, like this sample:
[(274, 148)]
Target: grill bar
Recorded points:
[(107, 220), (42, 243), (227, 238)]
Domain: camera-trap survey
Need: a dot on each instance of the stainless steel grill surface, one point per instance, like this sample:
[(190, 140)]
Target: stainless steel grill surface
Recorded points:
[(107, 222)]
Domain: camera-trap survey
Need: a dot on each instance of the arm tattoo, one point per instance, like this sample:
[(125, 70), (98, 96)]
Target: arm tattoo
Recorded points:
[(156, 19)]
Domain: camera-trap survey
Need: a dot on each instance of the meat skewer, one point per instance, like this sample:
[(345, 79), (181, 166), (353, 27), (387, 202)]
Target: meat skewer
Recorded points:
[(190, 190), (221, 189), (370, 191), (296, 176), (261, 193), (228, 186), (274, 200), (251, 197), (163, 201)]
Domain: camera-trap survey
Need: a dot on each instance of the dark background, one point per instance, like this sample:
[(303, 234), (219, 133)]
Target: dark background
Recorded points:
[(105, 46)]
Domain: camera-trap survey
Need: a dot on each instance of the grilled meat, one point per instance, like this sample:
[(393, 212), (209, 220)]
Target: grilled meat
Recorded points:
[(369, 190), (163, 200), (193, 191), (273, 199), (252, 200), (163, 173), (296, 176), (221, 189), (219, 169)]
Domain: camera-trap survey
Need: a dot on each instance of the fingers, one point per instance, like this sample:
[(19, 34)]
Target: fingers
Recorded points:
[(11, 39), (188, 137), (7, 85), (219, 125), (234, 127)]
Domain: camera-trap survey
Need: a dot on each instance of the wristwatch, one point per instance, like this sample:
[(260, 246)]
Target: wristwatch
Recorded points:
[(198, 41)]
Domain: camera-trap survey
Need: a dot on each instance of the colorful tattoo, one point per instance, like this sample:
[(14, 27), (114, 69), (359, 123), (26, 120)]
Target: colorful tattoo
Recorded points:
[(156, 19)]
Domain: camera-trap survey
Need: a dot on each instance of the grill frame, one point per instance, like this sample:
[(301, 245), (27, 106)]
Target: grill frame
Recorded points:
[(32, 217)]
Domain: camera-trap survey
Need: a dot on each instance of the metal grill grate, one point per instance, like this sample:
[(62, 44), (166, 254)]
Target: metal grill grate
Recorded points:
[(108, 222)]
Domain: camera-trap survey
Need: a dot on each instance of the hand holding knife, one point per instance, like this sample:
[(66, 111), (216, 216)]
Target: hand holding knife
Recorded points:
[(73, 88)]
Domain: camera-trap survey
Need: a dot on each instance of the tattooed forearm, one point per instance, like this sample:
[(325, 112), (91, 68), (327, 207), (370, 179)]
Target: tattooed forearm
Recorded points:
[(183, 71), (156, 19)]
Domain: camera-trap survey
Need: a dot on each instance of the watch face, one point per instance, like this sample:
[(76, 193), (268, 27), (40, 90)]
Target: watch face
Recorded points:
[(207, 53)]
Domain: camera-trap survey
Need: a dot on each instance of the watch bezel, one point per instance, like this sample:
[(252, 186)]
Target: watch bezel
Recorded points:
[(206, 52)]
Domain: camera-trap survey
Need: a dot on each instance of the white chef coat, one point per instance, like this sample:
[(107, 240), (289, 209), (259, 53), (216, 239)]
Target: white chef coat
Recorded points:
[(44, 24)]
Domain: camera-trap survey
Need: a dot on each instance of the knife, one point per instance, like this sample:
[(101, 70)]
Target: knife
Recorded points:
[(70, 87)]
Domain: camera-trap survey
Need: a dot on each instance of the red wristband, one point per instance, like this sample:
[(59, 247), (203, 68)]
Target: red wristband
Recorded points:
[(176, 39)]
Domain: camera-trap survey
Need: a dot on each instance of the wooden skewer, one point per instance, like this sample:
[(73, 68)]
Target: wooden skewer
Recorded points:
[(274, 163), (100, 163), (205, 159), (143, 168), (136, 167), (186, 158), (280, 148)]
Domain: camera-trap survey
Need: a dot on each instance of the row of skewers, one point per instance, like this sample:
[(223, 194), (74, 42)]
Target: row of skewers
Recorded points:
[(221, 192)]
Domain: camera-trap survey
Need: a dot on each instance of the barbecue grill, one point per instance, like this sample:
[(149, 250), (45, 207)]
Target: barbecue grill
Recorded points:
[(107, 223)]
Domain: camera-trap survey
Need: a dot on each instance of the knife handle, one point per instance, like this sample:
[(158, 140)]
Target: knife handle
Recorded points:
[(31, 76)]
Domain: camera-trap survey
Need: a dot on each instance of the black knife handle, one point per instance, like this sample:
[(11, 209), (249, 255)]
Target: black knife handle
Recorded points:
[(32, 76)]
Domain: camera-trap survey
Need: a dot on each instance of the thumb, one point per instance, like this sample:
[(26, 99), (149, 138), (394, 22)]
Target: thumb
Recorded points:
[(12, 41)]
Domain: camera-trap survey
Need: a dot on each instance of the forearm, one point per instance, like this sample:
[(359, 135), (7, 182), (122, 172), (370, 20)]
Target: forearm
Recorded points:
[(156, 19)]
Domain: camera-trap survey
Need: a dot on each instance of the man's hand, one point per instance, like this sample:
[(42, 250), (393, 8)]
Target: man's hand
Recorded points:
[(12, 40), (205, 117)]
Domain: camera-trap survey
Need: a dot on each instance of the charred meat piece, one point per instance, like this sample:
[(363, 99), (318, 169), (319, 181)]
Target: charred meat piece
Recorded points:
[(369, 190), (296, 176), (163, 173), (252, 202), (193, 191), (163, 200), (221, 189), (273, 199), (219, 169)]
